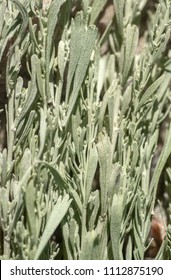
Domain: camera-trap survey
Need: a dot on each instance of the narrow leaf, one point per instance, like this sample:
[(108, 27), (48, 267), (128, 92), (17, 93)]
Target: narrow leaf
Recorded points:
[(119, 8), (149, 92), (115, 225), (58, 212)]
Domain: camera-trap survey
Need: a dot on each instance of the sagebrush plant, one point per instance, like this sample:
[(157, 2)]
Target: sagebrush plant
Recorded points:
[(82, 129)]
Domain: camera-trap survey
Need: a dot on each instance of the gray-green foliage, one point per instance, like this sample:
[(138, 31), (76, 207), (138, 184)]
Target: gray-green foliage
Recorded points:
[(82, 129)]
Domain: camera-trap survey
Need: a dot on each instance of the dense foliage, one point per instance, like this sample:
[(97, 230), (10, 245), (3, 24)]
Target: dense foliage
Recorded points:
[(85, 100)]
